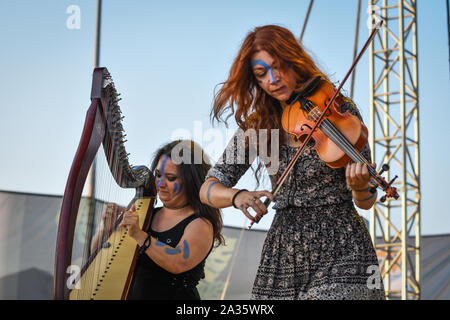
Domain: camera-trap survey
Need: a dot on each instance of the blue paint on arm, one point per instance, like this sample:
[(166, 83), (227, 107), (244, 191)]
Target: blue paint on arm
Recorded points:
[(208, 193), (176, 250), (173, 251), (160, 244), (186, 250)]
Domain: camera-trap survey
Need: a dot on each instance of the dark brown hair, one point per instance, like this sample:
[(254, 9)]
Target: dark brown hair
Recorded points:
[(193, 175)]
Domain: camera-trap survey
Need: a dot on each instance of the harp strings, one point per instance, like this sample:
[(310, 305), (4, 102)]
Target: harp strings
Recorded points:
[(107, 192), (111, 194), (110, 157)]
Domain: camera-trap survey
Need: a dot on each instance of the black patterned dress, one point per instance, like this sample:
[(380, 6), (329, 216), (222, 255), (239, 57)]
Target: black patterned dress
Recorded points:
[(318, 247)]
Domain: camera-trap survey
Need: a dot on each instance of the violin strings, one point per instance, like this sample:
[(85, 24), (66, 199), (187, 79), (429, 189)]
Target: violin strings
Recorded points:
[(337, 137), (348, 148), (343, 141), (340, 140)]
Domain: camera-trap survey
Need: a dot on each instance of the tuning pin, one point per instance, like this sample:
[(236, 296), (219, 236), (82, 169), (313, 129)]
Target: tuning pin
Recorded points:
[(383, 199)]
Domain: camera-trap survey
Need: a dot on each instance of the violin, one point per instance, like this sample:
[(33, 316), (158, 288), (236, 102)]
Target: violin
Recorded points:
[(339, 137)]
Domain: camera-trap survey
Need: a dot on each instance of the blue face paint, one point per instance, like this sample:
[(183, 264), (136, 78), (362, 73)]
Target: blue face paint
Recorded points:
[(179, 190), (265, 65), (162, 170), (175, 188)]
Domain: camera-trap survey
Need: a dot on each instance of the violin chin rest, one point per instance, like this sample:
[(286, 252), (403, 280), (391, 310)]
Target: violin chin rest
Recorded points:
[(311, 87)]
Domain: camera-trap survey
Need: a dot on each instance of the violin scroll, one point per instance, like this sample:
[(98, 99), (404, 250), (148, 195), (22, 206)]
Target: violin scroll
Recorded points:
[(390, 191)]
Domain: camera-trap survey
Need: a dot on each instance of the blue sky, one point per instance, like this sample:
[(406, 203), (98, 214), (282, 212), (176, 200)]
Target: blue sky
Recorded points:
[(166, 58)]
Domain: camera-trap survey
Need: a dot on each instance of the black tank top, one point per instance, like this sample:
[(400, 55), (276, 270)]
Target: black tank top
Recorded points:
[(150, 281)]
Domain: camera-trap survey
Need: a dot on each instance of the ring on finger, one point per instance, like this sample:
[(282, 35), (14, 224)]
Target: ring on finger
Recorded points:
[(254, 198)]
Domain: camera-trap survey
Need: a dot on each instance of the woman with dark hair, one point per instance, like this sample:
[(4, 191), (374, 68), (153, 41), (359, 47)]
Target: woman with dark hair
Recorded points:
[(181, 233), (317, 247)]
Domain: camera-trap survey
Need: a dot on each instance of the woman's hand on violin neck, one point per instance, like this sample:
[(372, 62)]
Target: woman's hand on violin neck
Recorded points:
[(357, 176), (251, 199)]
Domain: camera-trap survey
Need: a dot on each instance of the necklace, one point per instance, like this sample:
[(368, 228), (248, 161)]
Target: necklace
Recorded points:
[(176, 208)]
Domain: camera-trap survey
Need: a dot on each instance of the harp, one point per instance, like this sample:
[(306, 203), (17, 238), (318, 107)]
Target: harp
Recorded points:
[(105, 270)]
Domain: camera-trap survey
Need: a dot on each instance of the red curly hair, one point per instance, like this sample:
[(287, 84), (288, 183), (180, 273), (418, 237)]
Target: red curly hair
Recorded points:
[(240, 93)]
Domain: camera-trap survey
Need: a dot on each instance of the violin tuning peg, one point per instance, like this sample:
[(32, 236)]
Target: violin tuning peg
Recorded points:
[(373, 189), (383, 199), (392, 181), (384, 167)]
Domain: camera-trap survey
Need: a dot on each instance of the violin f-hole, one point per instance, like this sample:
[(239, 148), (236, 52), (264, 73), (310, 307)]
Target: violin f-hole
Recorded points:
[(305, 127)]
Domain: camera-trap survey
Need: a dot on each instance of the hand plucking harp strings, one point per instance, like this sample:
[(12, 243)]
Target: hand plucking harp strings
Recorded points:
[(130, 220), (109, 217)]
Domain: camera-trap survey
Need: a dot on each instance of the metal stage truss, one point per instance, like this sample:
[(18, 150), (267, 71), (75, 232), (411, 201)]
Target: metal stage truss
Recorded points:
[(394, 139)]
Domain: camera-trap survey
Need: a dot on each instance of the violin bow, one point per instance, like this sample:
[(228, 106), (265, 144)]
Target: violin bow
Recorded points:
[(288, 169)]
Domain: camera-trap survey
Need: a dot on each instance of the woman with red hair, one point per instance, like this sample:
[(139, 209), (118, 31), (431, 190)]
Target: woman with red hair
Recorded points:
[(317, 247)]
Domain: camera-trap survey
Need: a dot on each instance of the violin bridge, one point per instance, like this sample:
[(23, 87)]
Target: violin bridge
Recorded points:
[(314, 114)]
